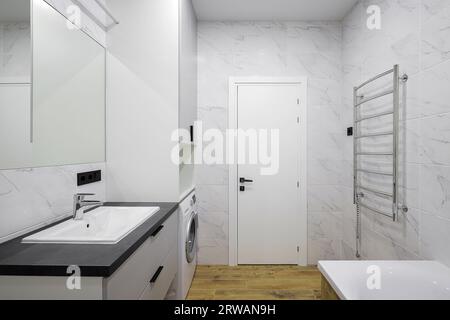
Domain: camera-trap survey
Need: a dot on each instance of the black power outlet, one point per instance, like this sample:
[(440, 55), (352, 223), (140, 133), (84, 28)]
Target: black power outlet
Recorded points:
[(89, 177)]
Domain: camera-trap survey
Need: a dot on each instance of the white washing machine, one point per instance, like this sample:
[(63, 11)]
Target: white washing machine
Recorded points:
[(187, 244)]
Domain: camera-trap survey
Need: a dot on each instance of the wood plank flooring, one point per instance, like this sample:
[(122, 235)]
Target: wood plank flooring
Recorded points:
[(255, 283)]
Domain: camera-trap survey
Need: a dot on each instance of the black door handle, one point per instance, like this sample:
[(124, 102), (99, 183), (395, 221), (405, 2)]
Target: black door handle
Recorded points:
[(156, 275), (155, 233), (243, 180)]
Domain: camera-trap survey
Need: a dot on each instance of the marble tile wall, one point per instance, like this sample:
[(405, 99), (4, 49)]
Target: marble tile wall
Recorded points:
[(34, 197), (15, 52), (416, 35), (275, 49)]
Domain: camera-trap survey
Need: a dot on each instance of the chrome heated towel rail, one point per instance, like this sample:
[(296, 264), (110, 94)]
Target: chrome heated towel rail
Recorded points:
[(360, 190)]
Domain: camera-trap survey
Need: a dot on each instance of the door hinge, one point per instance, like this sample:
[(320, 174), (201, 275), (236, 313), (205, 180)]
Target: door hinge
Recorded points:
[(298, 119), (298, 248), (298, 184), (298, 101)]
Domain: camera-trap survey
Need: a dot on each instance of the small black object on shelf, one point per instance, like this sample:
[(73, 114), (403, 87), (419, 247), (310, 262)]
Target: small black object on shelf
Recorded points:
[(350, 131)]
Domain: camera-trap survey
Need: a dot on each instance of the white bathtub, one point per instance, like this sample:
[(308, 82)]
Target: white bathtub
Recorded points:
[(398, 280)]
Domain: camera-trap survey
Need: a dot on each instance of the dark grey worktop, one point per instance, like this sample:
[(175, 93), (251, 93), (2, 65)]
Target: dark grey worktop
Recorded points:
[(19, 259)]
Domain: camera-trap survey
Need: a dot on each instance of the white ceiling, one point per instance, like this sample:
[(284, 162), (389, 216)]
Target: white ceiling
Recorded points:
[(284, 10), (14, 10)]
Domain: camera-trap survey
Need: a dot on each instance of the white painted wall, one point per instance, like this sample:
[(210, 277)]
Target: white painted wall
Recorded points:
[(188, 83), (143, 97), (188, 64)]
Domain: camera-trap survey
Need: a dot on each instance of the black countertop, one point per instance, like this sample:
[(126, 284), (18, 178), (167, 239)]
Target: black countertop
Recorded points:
[(19, 259)]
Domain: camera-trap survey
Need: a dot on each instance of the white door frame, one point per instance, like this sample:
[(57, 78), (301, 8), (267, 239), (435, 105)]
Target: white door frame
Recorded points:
[(234, 83)]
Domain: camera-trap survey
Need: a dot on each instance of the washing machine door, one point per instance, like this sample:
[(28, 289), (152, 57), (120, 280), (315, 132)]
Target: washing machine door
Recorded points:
[(191, 238)]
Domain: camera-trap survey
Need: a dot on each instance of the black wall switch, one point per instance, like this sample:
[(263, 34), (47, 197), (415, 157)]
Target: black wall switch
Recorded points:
[(350, 131), (89, 177)]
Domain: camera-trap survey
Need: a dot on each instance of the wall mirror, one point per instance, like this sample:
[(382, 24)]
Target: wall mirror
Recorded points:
[(52, 89)]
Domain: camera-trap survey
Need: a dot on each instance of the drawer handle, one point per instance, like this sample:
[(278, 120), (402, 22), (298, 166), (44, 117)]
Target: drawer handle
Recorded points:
[(156, 275), (158, 230)]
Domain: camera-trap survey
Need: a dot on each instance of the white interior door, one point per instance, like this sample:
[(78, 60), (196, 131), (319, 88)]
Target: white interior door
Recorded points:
[(269, 208)]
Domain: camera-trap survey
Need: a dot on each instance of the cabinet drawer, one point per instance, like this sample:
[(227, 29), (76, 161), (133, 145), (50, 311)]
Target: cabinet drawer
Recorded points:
[(130, 280), (157, 289)]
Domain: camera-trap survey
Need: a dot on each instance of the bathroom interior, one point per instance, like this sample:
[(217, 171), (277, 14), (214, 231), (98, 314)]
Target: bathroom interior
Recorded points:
[(119, 178)]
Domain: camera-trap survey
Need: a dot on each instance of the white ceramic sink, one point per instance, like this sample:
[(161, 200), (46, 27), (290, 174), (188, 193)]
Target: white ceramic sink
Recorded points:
[(104, 225)]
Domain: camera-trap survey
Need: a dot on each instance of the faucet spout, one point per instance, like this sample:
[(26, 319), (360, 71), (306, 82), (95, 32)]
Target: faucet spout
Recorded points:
[(79, 203)]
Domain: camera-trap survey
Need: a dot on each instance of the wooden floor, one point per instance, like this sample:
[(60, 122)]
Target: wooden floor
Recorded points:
[(255, 283)]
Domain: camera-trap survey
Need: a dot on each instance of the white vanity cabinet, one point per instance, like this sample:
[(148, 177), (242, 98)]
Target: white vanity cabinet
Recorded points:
[(147, 275)]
